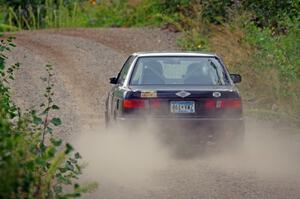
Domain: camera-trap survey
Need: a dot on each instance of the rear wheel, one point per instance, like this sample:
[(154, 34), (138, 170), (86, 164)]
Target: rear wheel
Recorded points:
[(185, 143), (232, 140), (237, 142), (107, 120)]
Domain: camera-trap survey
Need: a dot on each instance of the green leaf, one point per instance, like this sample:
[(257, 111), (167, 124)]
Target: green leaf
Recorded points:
[(67, 181), (77, 155), (50, 130), (69, 166), (55, 107), (37, 120), (63, 170), (11, 38), (69, 148), (40, 161), (57, 189), (12, 44), (30, 165), (46, 110), (56, 142), (76, 186), (51, 152), (64, 180), (74, 161), (56, 121)]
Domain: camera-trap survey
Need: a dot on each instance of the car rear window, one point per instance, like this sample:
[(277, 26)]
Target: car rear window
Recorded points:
[(178, 71)]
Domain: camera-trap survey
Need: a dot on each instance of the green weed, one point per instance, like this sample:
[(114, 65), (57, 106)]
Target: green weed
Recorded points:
[(121, 13), (61, 15), (50, 14)]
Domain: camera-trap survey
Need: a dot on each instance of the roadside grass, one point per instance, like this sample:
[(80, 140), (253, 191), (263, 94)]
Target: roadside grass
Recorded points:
[(127, 14), (53, 14), (59, 14), (4, 27), (195, 31), (267, 92)]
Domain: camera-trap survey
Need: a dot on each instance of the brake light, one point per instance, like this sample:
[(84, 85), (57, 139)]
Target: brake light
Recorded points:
[(139, 103), (232, 103), (133, 103), (210, 104), (154, 103), (224, 103)]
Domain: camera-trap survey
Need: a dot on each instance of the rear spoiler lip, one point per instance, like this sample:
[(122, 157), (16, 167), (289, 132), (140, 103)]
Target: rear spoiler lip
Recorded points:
[(179, 88), (157, 118)]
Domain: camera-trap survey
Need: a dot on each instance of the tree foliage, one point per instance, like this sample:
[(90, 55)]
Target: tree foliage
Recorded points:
[(273, 13)]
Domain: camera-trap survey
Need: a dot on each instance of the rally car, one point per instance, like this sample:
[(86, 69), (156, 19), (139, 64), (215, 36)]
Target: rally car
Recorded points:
[(185, 90)]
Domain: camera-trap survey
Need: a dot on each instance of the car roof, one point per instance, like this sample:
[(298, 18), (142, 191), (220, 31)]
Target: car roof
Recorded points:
[(188, 54)]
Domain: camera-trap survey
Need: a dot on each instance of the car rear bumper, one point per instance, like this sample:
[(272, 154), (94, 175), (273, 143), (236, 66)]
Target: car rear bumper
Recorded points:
[(192, 130), (209, 124)]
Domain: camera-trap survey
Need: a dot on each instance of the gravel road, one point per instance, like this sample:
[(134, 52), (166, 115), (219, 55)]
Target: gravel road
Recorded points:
[(130, 165)]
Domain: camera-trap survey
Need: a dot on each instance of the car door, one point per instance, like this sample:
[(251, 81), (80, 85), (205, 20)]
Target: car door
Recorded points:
[(117, 91)]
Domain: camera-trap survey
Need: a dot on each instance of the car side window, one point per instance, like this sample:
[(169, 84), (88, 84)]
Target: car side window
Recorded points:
[(124, 71)]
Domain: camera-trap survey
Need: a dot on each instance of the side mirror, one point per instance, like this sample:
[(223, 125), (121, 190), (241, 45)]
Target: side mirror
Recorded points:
[(113, 80), (236, 78)]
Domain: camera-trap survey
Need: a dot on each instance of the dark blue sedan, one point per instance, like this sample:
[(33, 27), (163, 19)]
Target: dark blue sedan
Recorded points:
[(182, 90)]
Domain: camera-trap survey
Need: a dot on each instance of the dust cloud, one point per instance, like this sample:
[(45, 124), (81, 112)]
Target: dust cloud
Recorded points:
[(133, 157), (122, 156), (268, 150)]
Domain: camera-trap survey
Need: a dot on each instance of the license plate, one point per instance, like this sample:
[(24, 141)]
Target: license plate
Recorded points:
[(182, 106)]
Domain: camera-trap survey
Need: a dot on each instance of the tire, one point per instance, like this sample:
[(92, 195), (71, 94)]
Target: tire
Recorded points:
[(235, 143), (238, 140), (188, 146), (107, 120)]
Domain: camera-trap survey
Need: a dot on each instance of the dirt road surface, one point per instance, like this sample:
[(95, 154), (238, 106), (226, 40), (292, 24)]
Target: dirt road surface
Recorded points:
[(139, 165)]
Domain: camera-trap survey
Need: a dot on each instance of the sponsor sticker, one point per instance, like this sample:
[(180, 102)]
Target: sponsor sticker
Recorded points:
[(149, 94), (216, 94), (183, 94)]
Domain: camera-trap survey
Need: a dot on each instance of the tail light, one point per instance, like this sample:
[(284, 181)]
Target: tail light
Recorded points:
[(133, 103), (231, 103), (210, 104), (154, 103), (140, 103), (222, 103)]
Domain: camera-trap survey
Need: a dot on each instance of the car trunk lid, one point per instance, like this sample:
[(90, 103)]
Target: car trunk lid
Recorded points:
[(191, 101)]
